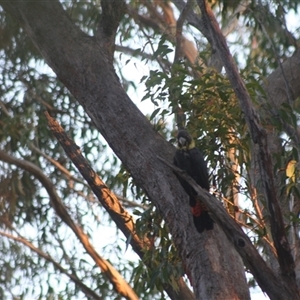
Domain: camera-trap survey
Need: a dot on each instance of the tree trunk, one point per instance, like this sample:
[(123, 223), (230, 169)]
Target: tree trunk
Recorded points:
[(84, 65)]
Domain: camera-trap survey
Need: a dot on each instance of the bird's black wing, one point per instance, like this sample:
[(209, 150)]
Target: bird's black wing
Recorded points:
[(198, 168), (193, 163), (182, 160)]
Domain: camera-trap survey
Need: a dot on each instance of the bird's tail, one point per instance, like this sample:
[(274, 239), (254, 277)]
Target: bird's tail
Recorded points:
[(202, 219)]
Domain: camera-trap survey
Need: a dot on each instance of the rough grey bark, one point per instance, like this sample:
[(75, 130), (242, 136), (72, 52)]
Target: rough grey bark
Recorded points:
[(84, 66)]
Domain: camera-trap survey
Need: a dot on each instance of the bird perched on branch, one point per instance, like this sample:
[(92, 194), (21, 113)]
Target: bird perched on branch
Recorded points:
[(190, 159)]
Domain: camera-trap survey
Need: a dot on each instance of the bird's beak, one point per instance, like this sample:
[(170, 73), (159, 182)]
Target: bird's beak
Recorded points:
[(182, 141)]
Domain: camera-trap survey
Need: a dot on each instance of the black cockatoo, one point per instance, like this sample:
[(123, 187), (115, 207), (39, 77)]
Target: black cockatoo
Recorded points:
[(190, 159)]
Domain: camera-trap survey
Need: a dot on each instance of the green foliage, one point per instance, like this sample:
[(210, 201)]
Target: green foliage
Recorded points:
[(29, 88), (161, 255)]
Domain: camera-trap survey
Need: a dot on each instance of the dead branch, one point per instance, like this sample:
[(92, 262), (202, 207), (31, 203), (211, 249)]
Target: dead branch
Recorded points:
[(57, 165)]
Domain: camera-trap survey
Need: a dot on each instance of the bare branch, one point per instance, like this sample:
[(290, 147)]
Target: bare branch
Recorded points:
[(166, 24), (179, 36), (147, 21), (59, 166), (233, 20), (191, 17), (71, 177)]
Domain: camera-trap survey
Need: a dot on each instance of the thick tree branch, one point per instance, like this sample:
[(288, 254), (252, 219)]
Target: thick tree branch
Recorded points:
[(267, 280), (120, 285), (85, 68), (112, 12), (111, 203), (191, 17), (78, 282), (57, 165), (259, 136), (179, 37)]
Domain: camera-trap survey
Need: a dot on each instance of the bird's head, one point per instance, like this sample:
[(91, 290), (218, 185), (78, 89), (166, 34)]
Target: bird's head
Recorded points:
[(184, 139)]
